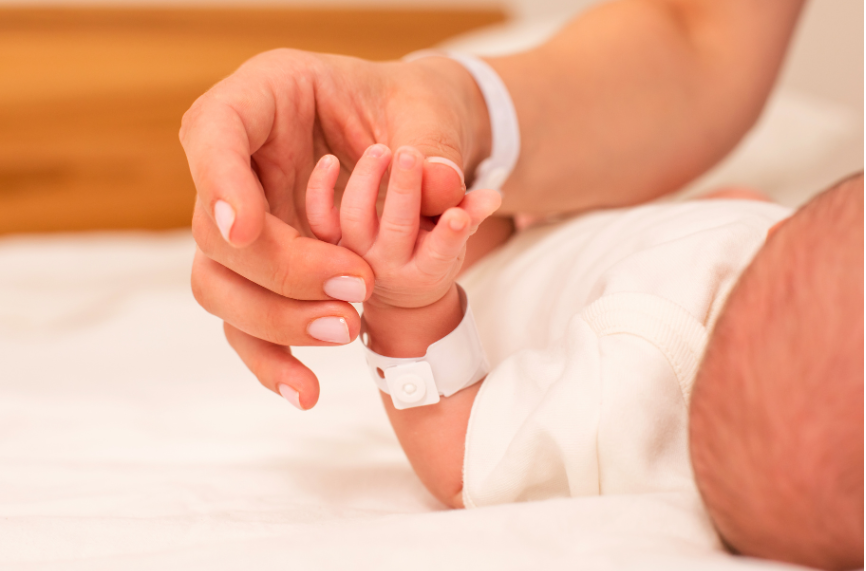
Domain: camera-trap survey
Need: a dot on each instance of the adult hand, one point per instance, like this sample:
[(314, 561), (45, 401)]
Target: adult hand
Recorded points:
[(252, 141)]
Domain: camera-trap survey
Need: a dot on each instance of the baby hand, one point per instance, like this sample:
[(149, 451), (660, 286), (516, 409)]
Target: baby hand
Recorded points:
[(414, 260)]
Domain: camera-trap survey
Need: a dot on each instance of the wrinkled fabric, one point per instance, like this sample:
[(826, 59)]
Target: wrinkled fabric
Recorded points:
[(597, 326)]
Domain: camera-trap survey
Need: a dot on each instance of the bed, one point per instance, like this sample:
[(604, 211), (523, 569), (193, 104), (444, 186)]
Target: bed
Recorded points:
[(132, 437)]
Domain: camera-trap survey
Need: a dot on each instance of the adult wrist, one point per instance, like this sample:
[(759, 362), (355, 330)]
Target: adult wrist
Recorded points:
[(502, 130), (478, 117)]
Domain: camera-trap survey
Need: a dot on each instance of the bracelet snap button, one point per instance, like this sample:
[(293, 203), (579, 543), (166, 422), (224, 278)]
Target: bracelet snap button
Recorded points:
[(411, 385), (411, 388)]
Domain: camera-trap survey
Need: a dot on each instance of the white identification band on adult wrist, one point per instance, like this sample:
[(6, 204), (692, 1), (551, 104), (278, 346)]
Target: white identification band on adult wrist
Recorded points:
[(493, 171), (453, 363)]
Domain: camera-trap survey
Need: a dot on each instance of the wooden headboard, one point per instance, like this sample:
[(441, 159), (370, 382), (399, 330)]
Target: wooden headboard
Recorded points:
[(91, 99)]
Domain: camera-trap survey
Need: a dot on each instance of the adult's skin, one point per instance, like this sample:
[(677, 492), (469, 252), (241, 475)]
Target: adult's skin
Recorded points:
[(629, 101)]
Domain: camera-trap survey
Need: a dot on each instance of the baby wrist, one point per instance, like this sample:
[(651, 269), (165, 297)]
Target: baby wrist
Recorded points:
[(408, 331), (427, 370)]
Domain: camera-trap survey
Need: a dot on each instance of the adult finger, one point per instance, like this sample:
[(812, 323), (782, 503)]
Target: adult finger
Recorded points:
[(443, 185), (322, 213), (291, 265), (275, 368), (269, 316), (434, 122), (219, 134), (398, 228), (358, 217)]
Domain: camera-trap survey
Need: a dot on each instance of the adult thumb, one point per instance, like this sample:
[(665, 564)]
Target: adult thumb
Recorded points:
[(443, 185)]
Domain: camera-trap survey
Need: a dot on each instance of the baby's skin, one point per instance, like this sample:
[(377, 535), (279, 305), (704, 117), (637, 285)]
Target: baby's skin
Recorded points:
[(415, 301)]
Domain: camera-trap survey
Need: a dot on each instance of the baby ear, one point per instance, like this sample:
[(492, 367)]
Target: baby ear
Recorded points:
[(322, 213)]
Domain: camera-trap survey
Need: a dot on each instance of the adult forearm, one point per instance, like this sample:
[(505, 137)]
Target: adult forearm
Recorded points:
[(636, 97)]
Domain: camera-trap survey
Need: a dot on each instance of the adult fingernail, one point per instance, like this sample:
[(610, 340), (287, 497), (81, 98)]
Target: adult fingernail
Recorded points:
[(224, 215), (346, 288), (291, 395), (376, 151), (330, 330), (406, 160), (448, 163)]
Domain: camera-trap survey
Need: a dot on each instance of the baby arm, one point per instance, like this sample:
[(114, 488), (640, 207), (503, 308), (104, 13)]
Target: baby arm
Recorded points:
[(415, 301)]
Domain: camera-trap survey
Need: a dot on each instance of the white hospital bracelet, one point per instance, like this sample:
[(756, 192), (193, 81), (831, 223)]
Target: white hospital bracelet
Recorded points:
[(493, 171), (451, 364)]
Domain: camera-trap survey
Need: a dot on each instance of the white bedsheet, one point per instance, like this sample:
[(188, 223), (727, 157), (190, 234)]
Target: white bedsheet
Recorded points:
[(132, 437)]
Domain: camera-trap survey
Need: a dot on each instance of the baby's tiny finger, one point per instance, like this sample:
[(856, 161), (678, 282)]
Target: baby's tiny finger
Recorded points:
[(444, 244), (479, 204), (401, 214), (322, 214), (358, 216)]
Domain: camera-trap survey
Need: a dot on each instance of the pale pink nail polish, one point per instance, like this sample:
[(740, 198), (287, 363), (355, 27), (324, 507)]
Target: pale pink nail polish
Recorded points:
[(346, 288), (291, 395), (448, 163), (224, 215), (330, 330)]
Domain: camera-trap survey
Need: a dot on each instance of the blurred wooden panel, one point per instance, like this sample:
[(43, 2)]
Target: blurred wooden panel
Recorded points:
[(91, 99)]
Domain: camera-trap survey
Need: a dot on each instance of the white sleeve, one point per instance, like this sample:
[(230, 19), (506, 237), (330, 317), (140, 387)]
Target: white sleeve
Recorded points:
[(533, 411), (602, 410)]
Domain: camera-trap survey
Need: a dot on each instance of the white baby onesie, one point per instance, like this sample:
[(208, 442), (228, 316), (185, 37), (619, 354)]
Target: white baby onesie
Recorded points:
[(595, 328)]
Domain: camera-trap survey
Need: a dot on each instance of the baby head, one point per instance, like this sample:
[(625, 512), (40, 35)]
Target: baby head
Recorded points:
[(776, 419)]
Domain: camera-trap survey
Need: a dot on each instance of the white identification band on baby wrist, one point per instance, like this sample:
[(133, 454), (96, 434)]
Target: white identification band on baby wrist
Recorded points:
[(493, 171), (451, 364)]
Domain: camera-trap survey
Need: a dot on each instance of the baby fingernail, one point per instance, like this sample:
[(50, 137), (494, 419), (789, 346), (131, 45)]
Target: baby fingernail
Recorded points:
[(346, 288), (376, 151), (330, 330), (457, 225), (224, 215), (326, 161), (291, 395), (406, 160)]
